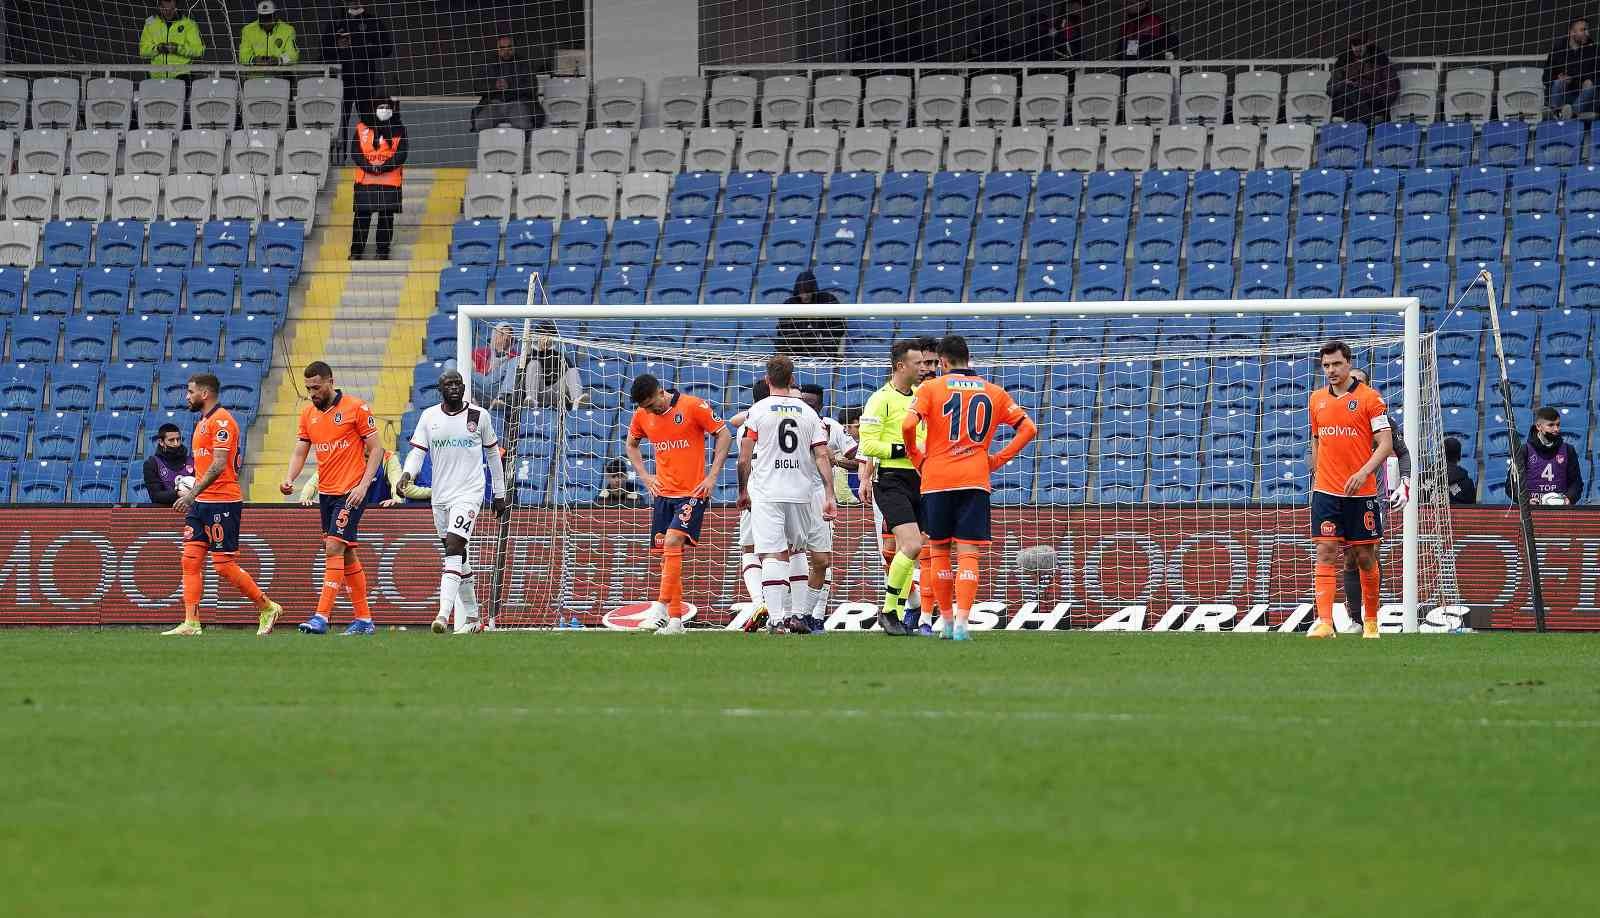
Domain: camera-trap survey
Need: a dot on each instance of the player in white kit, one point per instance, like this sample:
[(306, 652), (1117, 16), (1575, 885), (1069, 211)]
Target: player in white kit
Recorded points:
[(749, 562), (460, 437), (782, 453)]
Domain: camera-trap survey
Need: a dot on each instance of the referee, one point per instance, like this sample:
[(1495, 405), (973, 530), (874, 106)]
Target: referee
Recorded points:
[(896, 488)]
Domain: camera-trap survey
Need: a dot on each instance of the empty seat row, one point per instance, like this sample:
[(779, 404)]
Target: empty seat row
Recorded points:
[(25, 387), (158, 152), (1450, 145), (106, 291), (114, 103), (91, 340), (185, 196)]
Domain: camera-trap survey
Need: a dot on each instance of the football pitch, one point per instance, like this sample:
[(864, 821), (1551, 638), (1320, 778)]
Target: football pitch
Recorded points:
[(604, 774)]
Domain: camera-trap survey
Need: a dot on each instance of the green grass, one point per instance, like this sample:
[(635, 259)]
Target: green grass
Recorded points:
[(586, 774)]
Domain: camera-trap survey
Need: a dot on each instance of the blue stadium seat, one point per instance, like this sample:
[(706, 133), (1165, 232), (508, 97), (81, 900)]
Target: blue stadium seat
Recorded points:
[(194, 340), (1466, 272), (1120, 482), (211, 290), (775, 282), (1175, 482), (1105, 240), (1265, 239), (1227, 480), (52, 291), (1582, 235), (1374, 191), (582, 242), (88, 339), (799, 194), (999, 241), (1342, 146), (475, 242), (738, 241), (904, 194), (22, 387), (1323, 192), (172, 243), (694, 194), (1216, 193), (1482, 191), (1534, 285), (729, 284), (226, 243), (1519, 330), (633, 242), (1429, 282), (157, 291), (1267, 193), (1425, 238), (1047, 283), (1463, 338), (96, 482), (886, 283), (941, 283), (1005, 194), (1396, 146), (1369, 278), (281, 244), (57, 435), (1209, 280), (14, 428), (748, 195), (1564, 333), (1263, 281), (1371, 238), (1583, 189), (841, 280), (1428, 191), (1504, 144), (1059, 194), (1481, 237), (74, 386), (264, 292), (994, 283), (41, 482), (686, 241), (1158, 240), (66, 244), (128, 387), (1535, 237), (1564, 382), (1101, 282), (461, 286), (571, 285), (1109, 194), (790, 241), (119, 244), (441, 337), (851, 194), (1154, 281), (143, 339), (1164, 193), (529, 242), (893, 241), (1050, 239), (955, 194), (624, 285), (1210, 239), (1064, 481), (1316, 279), (248, 339), (1317, 238), (106, 290), (35, 339), (241, 388), (676, 285), (11, 284), (1558, 143), (1449, 145)]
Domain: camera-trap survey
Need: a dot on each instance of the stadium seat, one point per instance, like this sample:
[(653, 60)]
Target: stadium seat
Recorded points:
[(1534, 285), (52, 291), (210, 289), (775, 282), (1235, 146), (581, 242), (1535, 190), (1396, 146), (841, 241), (1428, 191), (475, 242), (644, 196), (194, 340), (1075, 148), (1342, 146), (264, 291), (1047, 283), (1059, 194), (904, 195), (1374, 191), (1157, 240), (1163, 194), (1316, 280), (1264, 239), (1022, 149), (528, 242), (940, 283), (1369, 279), (1481, 237), (14, 429), (248, 339), (1482, 191), (1458, 381), (1425, 238), (1216, 193), (1371, 238), (955, 194), (1101, 282), (172, 243), (106, 290), (694, 194), (74, 386), (11, 284), (41, 482), (686, 241), (1263, 281), (710, 149), (624, 285), (764, 149), (1288, 146), (511, 284), (66, 243), (571, 285), (790, 242), (1535, 237), (441, 338), (96, 481), (226, 243), (1052, 239), (999, 241), (88, 338), (1504, 144), (35, 338), (994, 283), (1474, 297), (281, 244), (1154, 281), (1563, 333), (1323, 192), (1317, 238), (748, 196), (676, 284), (798, 195), (633, 242), (944, 242), (57, 435), (738, 241), (1582, 235), (886, 283), (1109, 194), (1428, 281), (1267, 193), (1209, 280), (1448, 145), (1558, 143)]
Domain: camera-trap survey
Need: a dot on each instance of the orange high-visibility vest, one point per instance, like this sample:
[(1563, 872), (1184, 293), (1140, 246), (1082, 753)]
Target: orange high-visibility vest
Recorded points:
[(377, 151)]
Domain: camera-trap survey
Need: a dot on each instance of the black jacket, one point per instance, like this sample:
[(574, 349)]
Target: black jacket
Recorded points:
[(160, 476), (518, 74), (1462, 490), (810, 337), (1574, 63), (369, 43), (1574, 466)]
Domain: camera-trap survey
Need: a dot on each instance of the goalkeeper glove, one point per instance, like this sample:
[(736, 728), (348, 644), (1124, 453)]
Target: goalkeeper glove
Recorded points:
[(502, 510), (1400, 495)]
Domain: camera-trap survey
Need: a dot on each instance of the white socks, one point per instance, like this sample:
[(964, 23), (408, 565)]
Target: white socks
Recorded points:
[(449, 583), (750, 569), (466, 603), (775, 586)]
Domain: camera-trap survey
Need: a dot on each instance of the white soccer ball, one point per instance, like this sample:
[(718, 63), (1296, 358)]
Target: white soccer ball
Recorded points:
[(185, 483), (1553, 499)]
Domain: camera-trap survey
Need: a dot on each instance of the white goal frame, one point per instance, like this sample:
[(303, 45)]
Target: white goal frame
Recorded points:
[(1408, 307)]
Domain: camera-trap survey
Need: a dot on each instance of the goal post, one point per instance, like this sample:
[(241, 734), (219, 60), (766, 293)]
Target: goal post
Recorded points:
[(1216, 447)]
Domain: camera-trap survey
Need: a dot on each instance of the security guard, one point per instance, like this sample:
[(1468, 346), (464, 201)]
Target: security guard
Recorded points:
[(170, 40), (267, 41)]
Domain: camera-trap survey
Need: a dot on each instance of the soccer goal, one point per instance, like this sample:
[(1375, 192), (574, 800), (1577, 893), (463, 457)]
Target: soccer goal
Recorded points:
[(1167, 489)]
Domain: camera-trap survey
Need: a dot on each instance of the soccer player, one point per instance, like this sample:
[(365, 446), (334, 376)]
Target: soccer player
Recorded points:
[(213, 510), (963, 412), (783, 442), (676, 425), (749, 562), (459, 437), (895, 487), (1395, 477), (340, 429), (1350, 439), (842, 449)]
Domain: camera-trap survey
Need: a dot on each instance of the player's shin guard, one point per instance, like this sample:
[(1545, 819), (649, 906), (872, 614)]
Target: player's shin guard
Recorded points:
[(943, 581), (355, 580), (897, 583), (671, 594), (228, 569), (775, 587), (450, 584), (1369, 593), (1327, 581), (750, 571), (966, 587), (799, 583), (466, 603), (819, 602), (194, 554), (332, 583)]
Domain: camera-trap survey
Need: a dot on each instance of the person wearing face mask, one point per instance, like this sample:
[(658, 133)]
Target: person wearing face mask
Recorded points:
[(1551, 471), (379, 157), (269, 41), (357, 42), (166, 465)]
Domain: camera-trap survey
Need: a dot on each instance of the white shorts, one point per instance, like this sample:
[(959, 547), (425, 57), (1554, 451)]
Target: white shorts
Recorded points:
[(455, 519), (779, 527)]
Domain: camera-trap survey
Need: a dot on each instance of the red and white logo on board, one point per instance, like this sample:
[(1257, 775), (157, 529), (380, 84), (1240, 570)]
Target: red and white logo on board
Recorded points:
[(635, 616)]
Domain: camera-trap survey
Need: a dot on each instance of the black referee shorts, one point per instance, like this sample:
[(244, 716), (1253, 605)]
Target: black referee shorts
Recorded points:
[(898, 494)]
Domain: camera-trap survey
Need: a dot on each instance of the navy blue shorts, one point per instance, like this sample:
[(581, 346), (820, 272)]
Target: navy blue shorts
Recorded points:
[(1352, 520), (685, 514), (962, 515), (217, 525), (340, 520)]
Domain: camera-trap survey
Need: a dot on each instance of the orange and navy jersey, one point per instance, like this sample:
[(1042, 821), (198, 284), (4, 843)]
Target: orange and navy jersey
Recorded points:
[(337, 436), (962, 411), (218, 430), (678, 436), (1344, 427)]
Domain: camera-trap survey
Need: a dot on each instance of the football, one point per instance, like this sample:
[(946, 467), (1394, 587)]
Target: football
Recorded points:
[(1553, 499), (185, 483)]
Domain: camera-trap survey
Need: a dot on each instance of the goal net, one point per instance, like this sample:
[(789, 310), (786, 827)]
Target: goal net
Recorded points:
[(1167, 488)]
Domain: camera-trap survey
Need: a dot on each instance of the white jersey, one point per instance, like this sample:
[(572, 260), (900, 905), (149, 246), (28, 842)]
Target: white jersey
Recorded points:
[(840, 446), (785, 431), (455, 443)]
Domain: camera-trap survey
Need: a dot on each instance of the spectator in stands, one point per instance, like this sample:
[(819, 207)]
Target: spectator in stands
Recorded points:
[(170, 460), (549, 381), (171, 41), (1364, 83), (615, 490), (1068, 33), (809, 337), (1572, 69), (509, 91), (500, 347), (269, 41), (1462, 490), (357, 42), (1145, 36), (1551, 470), (380, 159)]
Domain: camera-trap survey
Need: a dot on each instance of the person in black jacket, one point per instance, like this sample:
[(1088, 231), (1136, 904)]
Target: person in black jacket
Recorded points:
[(1462, 490), (380, 158), (809, 336), (1365, 83), (357, 42), (1572, 68), (162, 470), (509, 91), (1551, 470)]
